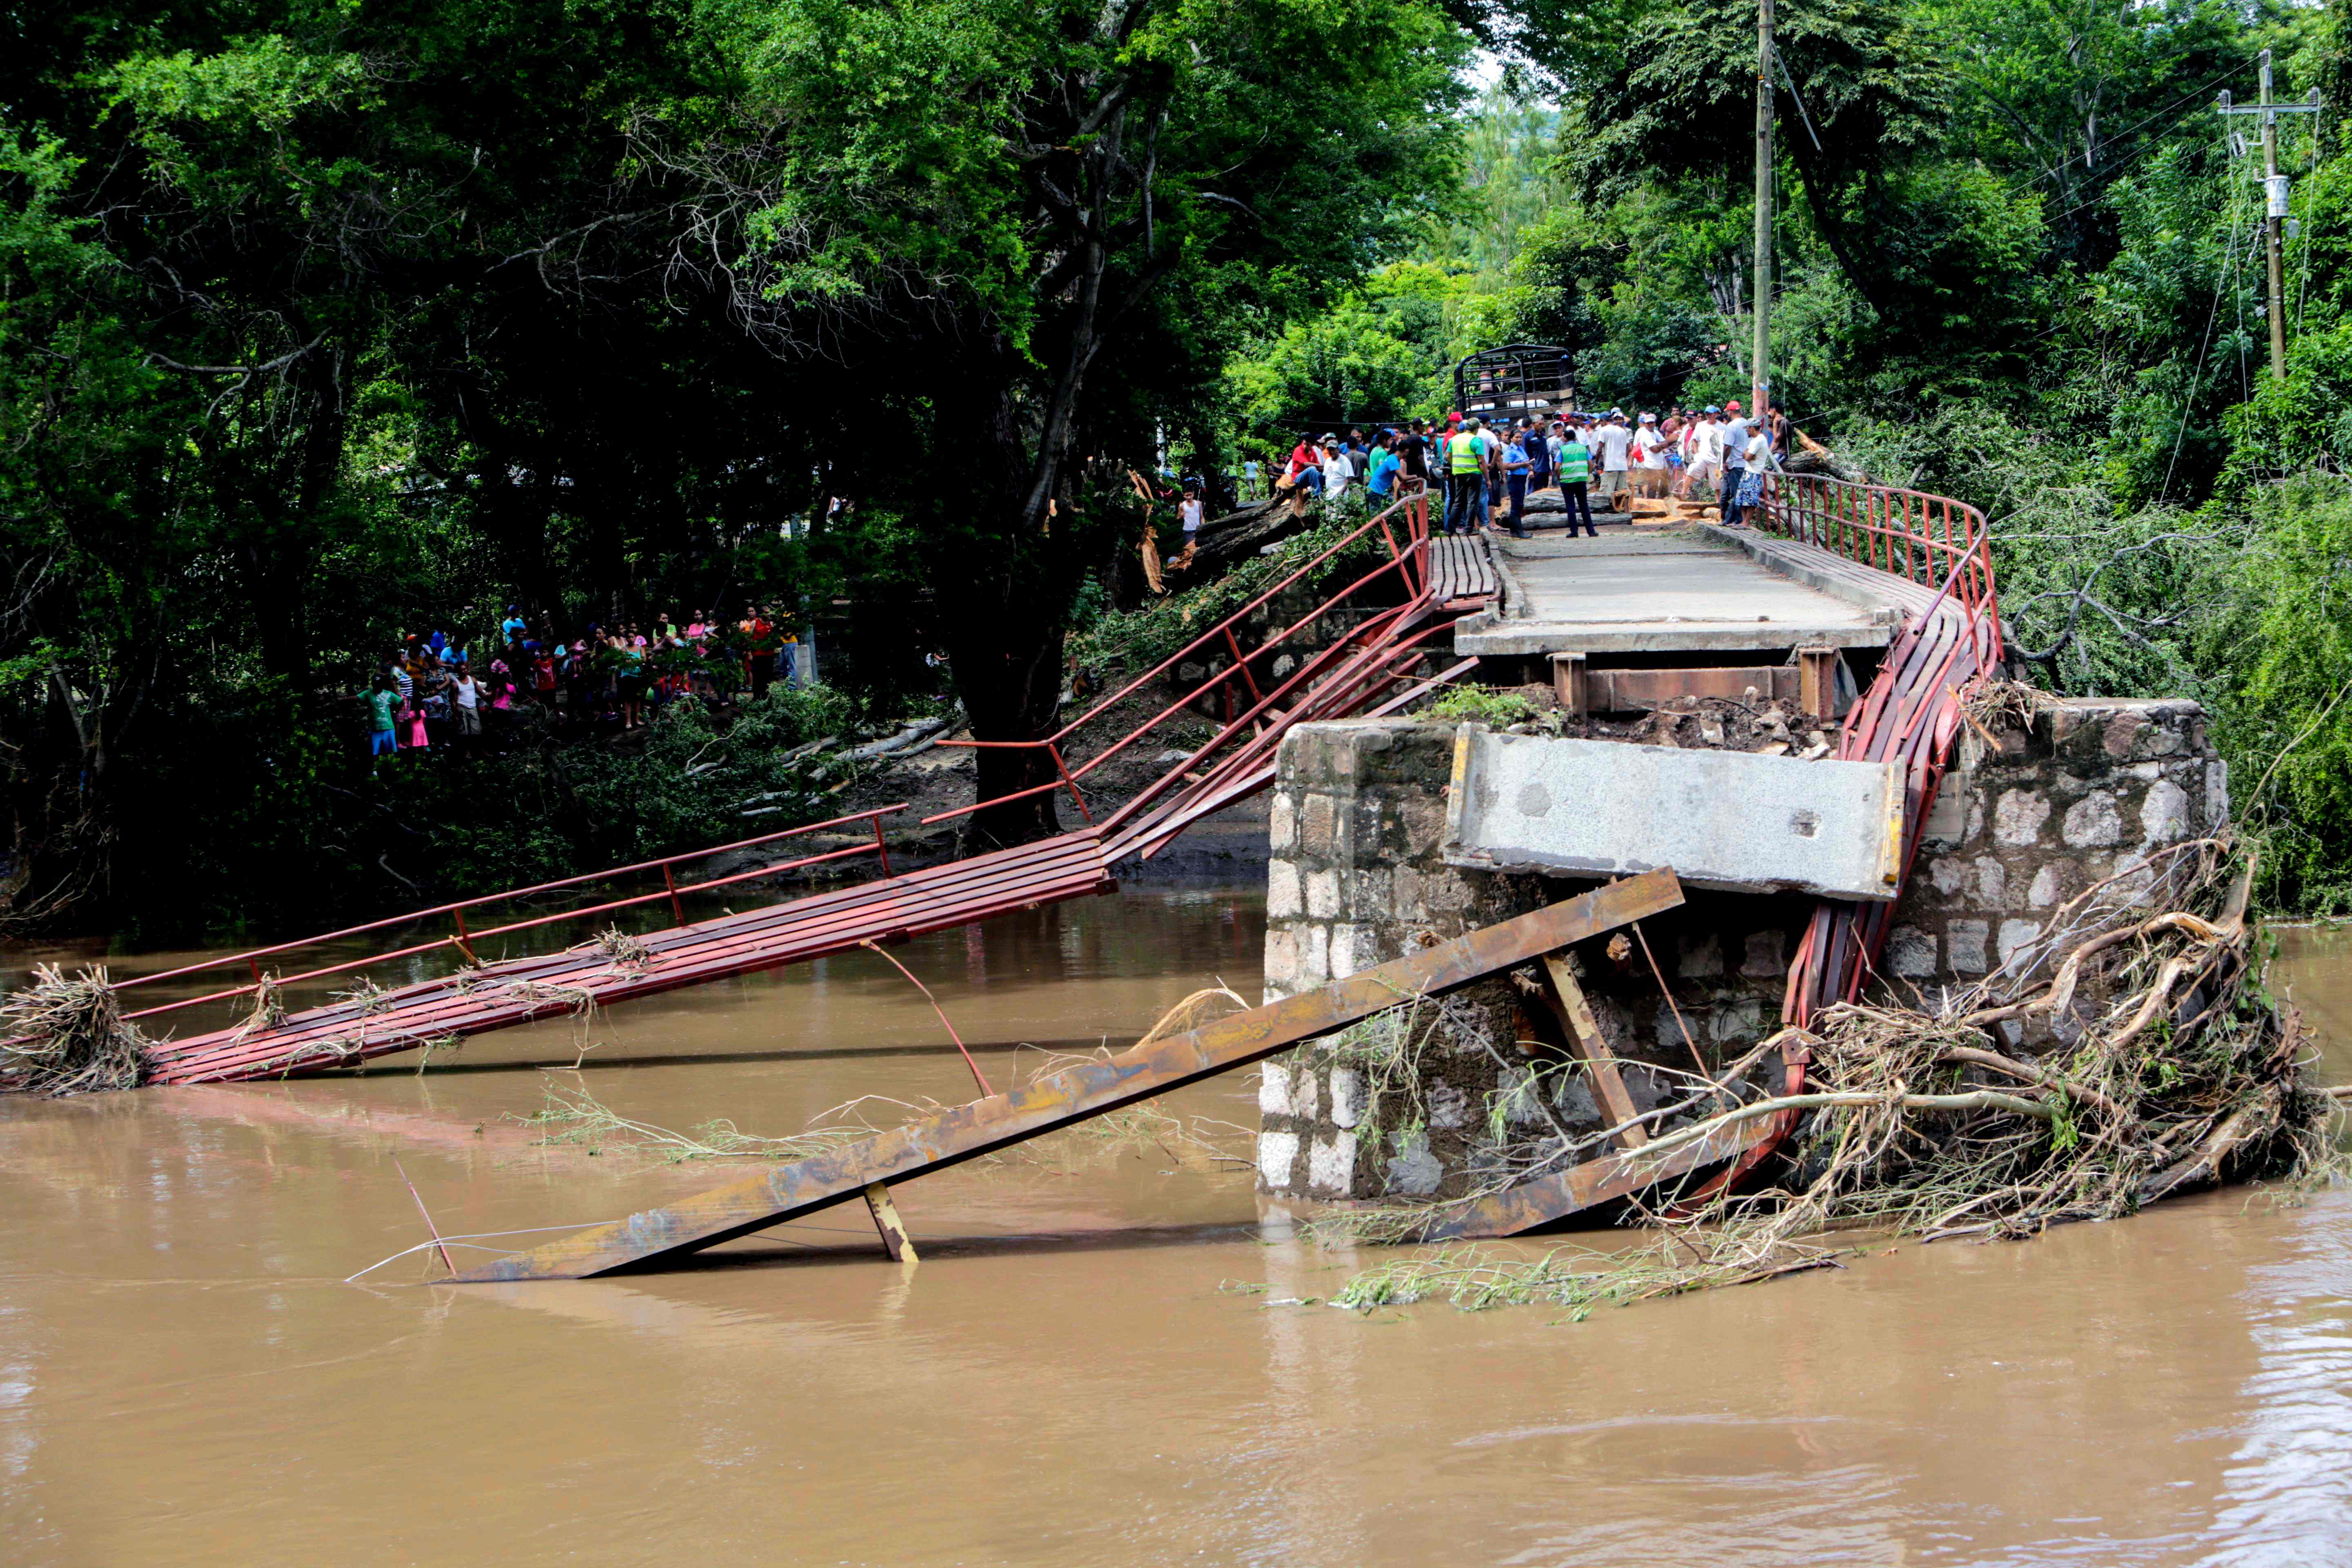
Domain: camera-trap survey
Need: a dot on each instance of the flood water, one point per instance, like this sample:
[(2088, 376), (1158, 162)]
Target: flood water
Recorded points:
[(1090, 1365)]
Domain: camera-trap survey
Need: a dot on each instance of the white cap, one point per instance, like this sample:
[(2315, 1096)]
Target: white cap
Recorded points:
[(1649, 419)]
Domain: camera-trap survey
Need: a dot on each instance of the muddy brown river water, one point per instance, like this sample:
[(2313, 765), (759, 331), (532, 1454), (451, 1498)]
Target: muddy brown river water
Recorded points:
[(1090, 1365)]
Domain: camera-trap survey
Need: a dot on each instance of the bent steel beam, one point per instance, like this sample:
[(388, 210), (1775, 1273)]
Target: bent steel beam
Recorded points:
[(1074, 1094)]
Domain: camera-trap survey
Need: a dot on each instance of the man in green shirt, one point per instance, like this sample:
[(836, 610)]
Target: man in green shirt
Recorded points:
[(382, 700), (1575, 460)]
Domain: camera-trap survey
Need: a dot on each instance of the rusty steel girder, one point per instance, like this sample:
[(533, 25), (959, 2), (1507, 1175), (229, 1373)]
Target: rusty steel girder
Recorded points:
[(951, 1137)]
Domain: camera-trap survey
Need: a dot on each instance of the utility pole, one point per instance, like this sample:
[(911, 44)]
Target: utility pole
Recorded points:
[(2274, 226), (1761, 377), (2275, 205)]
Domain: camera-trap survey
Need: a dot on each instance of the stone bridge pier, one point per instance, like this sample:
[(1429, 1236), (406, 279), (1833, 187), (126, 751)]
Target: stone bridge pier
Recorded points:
[(1361, 874)]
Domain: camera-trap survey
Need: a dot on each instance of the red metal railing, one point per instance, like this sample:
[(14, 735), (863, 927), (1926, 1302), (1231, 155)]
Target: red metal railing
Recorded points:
[(1933, 540), (1911, 714), (1407, 560), (1356, 668), (463, 939)]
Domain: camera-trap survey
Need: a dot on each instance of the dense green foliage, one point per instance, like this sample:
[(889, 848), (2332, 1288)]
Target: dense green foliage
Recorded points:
[(2018, 260), (321, 322)]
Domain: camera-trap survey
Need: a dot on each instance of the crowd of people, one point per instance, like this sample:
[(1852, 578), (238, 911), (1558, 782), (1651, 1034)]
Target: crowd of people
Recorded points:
[(1718, 455), (435, 689)]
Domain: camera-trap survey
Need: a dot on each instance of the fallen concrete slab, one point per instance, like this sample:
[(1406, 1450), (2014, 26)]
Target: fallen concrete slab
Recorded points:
[(1733, 820)]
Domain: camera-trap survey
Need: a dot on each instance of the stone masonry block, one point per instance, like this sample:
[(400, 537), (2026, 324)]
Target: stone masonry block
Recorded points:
[(1315, 962), (1322, 894), (2164, 814), (1278, 1153), (2092, 822), (1354, 949), (1282, 823), (1910, 953), (2014, 935), (1767, 957), (1281, 956), (2017, 818), (1964, 946), (1331, 1165), (1274, 1090), (1424, 823), (1413, 1171), (2121, 731), (1410, 903), (1283, 899), (1346, 1097), (1317, 822), (1446, 893)]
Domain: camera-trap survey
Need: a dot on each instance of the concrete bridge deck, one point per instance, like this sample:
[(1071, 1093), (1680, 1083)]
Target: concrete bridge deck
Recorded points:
[(1702, 588)]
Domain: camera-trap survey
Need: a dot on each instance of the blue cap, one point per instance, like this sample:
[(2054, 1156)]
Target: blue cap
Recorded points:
[(1711, 408)]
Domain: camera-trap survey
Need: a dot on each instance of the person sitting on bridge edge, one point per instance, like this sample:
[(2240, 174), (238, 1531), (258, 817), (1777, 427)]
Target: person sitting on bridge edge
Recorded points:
[(1306, 470), (1338, 471), (1575, 468), (1466, 470)]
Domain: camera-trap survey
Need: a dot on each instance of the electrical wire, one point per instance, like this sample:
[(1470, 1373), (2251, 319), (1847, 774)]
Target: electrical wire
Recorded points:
[(2196, 376), (2185, 99)]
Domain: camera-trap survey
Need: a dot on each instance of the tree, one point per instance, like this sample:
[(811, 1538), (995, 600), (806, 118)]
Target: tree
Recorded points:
[(1001, 240)]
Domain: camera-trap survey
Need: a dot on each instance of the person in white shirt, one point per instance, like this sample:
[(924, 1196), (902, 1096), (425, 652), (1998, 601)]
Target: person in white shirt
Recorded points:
[(1190, 512), (467, 695), (1706, 455), (1338, 471), (1649, 458), (1613, 442)]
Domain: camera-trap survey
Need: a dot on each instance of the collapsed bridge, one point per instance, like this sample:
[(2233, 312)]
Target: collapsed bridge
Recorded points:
[(1834, 570)]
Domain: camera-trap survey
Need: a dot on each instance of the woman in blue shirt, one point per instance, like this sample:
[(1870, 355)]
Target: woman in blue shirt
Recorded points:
[(1516, 464)]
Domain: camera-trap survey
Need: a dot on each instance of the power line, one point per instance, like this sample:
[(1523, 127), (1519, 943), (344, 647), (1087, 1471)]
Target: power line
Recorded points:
[(2193, 93)]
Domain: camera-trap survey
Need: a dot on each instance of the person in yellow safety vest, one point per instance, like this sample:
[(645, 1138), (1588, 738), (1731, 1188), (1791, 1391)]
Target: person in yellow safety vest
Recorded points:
[(1465, 476)]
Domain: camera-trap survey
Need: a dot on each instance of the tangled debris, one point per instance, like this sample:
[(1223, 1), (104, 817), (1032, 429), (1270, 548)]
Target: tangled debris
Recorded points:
[(1759, 722), (574, 1116), (2159, 1063), (266, 1012), (66, 1035), (625, 950)]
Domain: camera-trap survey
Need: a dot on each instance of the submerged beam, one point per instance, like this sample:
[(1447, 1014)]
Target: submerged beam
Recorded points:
[(951, 1137)]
